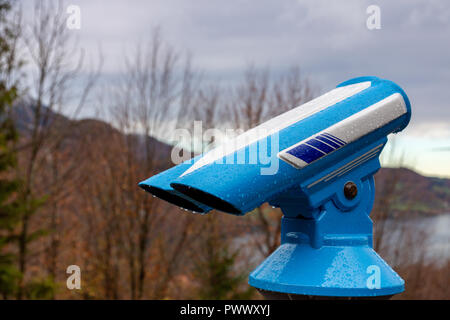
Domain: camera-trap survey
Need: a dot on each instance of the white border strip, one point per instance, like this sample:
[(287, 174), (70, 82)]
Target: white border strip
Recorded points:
[(357, 125), (280, 122)]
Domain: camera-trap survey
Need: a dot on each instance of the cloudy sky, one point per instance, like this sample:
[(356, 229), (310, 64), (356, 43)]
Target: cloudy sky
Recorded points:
[(328, 39)]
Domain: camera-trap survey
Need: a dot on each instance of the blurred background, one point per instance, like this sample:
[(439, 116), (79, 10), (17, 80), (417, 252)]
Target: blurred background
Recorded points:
[(91, 93)]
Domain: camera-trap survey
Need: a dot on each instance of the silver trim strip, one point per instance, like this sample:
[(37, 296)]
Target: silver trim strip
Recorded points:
[(362, 158)]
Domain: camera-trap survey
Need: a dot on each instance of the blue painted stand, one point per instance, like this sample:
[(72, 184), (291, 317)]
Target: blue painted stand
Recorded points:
[(326, 240)]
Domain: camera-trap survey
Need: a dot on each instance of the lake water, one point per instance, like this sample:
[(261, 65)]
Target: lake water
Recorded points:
[(428, 237), (408, 241)]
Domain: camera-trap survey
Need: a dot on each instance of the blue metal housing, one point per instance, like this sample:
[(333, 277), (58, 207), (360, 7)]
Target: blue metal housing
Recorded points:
[(326, 239)]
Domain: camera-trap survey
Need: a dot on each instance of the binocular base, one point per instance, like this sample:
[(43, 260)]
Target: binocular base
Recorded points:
[(329, 271)]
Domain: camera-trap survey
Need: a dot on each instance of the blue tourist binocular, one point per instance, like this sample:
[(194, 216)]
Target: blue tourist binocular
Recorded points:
[(315, 162)]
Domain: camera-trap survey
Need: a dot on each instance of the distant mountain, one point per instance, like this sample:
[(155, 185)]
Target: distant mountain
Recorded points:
[(413, 194), (23, 115)]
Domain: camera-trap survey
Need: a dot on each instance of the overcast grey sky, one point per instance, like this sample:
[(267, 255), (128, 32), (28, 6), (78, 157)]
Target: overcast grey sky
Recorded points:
[(328, 39)]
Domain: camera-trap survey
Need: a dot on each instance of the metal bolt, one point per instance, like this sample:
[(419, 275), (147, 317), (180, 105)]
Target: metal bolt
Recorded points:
[(350, 190)]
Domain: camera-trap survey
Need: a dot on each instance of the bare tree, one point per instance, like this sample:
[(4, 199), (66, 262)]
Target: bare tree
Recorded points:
[(55, 62), (154, 91)]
